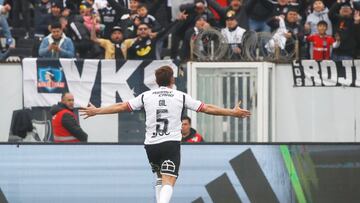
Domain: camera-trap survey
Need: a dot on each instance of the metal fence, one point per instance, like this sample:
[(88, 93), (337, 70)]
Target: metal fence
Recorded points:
[(211, 45)]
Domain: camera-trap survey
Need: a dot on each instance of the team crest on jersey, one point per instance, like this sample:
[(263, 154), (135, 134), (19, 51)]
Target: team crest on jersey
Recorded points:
[(168, 166)]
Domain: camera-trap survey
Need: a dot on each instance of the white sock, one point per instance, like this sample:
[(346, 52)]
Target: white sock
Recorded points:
[(166, 193), (158, 186)]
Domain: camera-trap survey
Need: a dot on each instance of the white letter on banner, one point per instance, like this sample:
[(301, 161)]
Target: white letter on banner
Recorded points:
[(311, 70), (357, 69), (347, 64), (80, 87), (112, 81), (149, 72), (31, 95), (325, 74)]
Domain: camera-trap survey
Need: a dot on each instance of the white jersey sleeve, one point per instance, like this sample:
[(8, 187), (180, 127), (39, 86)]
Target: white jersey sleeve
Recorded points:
[(137, 103), (193, 104)]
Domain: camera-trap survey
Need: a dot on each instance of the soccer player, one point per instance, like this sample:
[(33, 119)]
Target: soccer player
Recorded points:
[(163, 108)]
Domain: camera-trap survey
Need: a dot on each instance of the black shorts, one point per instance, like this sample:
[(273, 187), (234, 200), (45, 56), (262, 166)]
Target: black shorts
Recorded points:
[(164, 157)]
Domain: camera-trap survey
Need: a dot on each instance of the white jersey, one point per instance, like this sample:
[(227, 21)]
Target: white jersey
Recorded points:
[(163, 110), (235, 36)]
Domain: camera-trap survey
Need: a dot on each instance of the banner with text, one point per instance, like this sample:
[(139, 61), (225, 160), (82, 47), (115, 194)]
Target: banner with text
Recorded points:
[(101, 82), (327, 73)]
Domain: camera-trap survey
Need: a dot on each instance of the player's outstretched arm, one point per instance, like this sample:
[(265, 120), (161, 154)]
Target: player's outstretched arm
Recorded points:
[(91, 110), (235, 112)]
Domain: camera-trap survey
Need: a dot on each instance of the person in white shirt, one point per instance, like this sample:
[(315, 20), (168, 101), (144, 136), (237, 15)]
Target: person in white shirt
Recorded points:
[(233, 34), (164, 107)]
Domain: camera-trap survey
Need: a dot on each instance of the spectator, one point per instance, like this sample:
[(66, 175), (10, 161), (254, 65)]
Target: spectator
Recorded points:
[(188, 133), (279, 8), (144, 45), (294, 31), (322, 42), (48, 19), (71, 7), (65, 124), (56, 13), (113, 48), (56, 44), (109, 17), (127, 16), (258, 15), (42, 10), (237, 7), (161, 10), (98, 5), (21, 7), (130, 25), (191, 35), (141, 47), (80, 36), (142, 12), (263, 11), (341, 16), (4, 10), (302, 7), (320, 12), (89, 17), (192, 10), (196, 9), (233, 34)]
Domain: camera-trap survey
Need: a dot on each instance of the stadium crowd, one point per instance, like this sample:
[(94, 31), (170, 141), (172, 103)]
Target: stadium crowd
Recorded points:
[(139, 29)]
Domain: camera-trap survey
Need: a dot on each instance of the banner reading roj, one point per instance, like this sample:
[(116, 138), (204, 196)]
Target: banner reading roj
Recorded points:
[(326, 73), (101, 82)]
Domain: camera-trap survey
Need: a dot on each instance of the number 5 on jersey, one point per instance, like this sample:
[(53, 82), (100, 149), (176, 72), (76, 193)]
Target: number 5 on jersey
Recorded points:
[(161, 122)]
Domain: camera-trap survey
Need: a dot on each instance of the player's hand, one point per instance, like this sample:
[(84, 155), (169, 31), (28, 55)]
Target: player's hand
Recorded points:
[(241, 113), (88, 111)]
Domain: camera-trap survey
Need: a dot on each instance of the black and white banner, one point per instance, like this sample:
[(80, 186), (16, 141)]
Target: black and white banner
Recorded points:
[(326, 73), (101, 82)]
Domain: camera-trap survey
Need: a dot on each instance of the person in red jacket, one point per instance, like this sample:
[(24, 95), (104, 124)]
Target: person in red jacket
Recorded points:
[(189, 134), (65, 124), (322, 43)]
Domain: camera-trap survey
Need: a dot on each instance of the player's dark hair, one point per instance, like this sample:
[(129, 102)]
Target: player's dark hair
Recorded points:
[(164, 75), (186, 118)]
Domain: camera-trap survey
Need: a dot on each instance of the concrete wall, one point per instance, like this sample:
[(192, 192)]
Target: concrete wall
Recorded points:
[(314, 114), (11, 96)]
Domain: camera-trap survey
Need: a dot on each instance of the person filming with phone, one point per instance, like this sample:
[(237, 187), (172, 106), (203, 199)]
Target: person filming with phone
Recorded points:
[(56, 44)]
